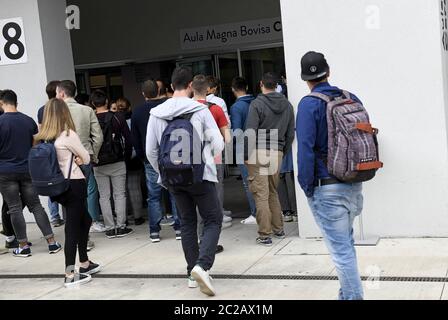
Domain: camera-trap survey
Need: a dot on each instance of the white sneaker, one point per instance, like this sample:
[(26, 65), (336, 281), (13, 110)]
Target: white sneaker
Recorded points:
[(228, 213), (192, 284), (226, 219), (97, 227), (226, 225), (203, 279), (250, 220)]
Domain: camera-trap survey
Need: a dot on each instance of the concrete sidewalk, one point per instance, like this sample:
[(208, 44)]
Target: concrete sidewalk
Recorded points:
[(293, 268)]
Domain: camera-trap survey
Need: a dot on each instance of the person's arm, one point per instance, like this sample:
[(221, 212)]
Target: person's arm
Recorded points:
[(223, 125), (152, 144), (136, 137), (126, 134), (96, 135), (73, 143), (226, 111), (253, 123), (290, 132), (306, 129), (212, 133)]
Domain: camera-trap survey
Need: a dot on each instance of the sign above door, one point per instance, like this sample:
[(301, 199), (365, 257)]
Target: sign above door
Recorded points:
[(231, 34)]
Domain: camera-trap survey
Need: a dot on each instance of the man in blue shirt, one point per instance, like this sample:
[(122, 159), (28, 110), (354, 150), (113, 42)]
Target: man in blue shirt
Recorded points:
[(238, 113), (334, 204), (16, 139)]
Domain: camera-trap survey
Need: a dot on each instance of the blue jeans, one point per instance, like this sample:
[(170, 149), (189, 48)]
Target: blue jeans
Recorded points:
[(154, 198), (250, 197), (334, 208), (54, 210), (93, 204)]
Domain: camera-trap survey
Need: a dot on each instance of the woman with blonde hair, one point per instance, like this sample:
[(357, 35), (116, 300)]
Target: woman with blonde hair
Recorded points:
[(58, 126)]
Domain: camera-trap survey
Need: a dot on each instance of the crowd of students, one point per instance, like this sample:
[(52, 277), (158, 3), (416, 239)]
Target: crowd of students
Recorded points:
[(103, 148)]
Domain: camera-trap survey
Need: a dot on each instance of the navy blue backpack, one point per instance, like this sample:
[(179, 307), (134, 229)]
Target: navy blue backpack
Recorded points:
[(46, 175), (180, 157)]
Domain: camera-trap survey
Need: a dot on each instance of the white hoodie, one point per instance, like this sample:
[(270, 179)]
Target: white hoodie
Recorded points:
[(203, 122)]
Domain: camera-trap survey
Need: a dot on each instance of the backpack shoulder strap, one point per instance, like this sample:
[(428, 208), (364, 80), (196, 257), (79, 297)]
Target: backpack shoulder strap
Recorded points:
[(321, 96), (346, 94)]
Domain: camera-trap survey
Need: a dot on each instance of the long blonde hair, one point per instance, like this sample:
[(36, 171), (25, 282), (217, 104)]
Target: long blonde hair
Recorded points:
[(57, 119)]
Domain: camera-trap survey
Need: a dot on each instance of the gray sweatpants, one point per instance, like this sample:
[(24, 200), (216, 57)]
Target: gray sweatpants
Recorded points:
[(112, 174)]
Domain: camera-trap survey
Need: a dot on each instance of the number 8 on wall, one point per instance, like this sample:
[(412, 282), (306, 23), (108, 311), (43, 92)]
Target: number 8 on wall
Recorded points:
[(12, 42)]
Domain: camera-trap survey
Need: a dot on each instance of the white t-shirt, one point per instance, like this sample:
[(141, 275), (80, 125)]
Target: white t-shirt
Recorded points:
[(219, 102)]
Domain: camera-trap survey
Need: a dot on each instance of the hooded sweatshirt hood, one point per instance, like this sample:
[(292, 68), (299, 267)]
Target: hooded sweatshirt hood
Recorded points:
[(176, 107), (275, 101), (247, 99)]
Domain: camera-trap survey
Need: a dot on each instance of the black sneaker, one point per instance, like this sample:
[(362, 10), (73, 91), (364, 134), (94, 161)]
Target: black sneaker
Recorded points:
[(287, 216), (54, 248), (264, 242), (15, 244), (123, 232), (139, 221), (77, 279), (280, 235), (58, 223), (24, 252), (91, 269), (219, 249), (111, 234), (155, 237)]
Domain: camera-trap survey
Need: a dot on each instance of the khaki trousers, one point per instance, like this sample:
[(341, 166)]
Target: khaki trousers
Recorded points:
[(264, 176)]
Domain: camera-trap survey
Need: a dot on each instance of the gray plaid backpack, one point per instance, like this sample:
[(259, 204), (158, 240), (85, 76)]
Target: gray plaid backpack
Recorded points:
[(352, 143)]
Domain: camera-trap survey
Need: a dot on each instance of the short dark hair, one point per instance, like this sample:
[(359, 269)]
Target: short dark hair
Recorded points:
[(150, 89), (200, 84), (239, 84), (69, 87), (181, 78), (270, 80), (98, 98), (213, 82), (82, 98), (51, 89), (8, 97)]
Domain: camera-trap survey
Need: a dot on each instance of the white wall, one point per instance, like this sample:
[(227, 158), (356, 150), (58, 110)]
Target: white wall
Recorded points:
[(49, 52), (398, 70)]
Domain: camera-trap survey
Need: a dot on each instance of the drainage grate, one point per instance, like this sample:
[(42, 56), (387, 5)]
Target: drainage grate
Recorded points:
[(228, 277)]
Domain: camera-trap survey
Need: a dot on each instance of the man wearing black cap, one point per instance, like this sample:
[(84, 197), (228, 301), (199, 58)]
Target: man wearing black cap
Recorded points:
[(334, 204)]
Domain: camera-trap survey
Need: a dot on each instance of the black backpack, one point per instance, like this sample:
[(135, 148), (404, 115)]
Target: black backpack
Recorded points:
[(112, 150)]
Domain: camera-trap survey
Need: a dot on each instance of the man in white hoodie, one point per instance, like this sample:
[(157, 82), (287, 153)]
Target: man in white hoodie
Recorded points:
[(199, 257)]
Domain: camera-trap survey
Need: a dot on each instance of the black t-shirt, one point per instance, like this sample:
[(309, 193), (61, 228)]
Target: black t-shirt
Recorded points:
[(40, 115), (16, 140)]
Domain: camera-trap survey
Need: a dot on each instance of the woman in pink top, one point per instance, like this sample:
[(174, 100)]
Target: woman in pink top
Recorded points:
[(58, 126)]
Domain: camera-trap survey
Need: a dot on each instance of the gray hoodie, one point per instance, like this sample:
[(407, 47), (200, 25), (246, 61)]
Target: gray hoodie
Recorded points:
[(267, 113), (203, 122)]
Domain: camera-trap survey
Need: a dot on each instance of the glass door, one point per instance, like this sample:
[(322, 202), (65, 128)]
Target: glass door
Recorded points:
[(200, 65), (226, 71), (255, 63)]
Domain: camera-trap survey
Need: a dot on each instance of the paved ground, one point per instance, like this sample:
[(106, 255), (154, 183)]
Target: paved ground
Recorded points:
[(293, 268)]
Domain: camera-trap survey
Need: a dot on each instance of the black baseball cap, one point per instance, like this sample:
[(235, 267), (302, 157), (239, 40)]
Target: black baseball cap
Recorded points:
[(314, 66)]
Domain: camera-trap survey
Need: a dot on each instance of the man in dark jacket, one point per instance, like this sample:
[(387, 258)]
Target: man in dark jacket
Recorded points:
[(271, 119), (139, 125), (239, 112)]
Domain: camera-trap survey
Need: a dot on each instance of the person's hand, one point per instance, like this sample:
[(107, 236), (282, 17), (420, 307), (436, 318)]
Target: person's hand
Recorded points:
[(79, 161)]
